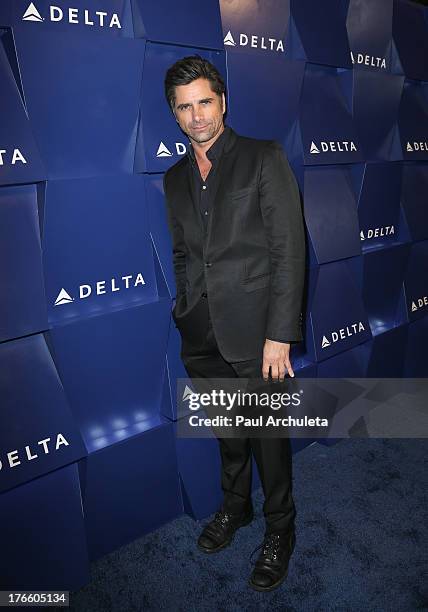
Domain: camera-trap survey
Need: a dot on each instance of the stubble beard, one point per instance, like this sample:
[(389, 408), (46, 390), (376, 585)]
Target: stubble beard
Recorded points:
[(205, 135)]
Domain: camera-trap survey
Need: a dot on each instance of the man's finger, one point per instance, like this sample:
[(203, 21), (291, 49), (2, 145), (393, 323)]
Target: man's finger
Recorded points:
[(289, 368), (265, 370), (275, 372)]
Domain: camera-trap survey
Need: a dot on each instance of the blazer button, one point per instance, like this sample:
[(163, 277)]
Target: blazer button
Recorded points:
[(208, 264)]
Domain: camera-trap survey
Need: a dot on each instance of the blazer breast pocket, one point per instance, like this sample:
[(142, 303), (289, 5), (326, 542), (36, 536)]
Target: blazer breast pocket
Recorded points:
[(237, 194), (256, 282)]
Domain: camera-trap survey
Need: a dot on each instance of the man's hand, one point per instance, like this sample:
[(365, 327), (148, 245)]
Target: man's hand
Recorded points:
[(276, 355)]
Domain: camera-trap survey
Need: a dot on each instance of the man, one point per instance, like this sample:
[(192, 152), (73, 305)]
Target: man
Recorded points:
[(239, 255)]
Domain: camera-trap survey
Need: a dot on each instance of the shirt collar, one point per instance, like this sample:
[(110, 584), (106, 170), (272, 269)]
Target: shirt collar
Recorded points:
[(215, 149)]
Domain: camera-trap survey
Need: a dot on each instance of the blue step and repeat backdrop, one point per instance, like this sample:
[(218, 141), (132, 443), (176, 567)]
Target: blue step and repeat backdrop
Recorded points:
[(89, 355)]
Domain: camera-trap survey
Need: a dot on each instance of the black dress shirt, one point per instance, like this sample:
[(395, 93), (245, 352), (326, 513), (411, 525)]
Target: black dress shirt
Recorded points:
[(204, 191)]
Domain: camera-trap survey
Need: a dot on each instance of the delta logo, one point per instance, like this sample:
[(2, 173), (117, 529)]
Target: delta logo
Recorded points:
[(368, 60), (419, 303), (377, 232), (342, 334), (415, 147), (187, 393), (11, 158), (33, 452), (344, 146), (163, 151), (73, 15), (100, 288), (254, 42)]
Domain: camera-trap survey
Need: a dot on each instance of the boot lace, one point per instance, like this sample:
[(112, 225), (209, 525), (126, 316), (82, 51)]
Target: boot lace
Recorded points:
[(270, 547), (221, 517)]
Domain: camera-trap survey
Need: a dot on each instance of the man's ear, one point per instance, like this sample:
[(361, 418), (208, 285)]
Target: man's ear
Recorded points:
[(223, 101)]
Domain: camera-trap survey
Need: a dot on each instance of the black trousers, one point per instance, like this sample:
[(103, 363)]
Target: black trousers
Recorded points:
[(202, 359)]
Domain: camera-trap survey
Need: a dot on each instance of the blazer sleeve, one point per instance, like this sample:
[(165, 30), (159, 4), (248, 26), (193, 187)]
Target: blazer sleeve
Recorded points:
[(283, 223), (179, 249)]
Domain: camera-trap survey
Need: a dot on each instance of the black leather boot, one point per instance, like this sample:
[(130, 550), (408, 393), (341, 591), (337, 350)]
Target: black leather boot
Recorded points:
[(219, 533), (271, 567)]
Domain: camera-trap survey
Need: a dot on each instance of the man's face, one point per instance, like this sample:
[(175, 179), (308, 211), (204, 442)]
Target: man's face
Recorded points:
[(198, 110)]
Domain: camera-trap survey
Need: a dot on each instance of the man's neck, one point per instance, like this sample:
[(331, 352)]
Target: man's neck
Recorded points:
[(200, 149)]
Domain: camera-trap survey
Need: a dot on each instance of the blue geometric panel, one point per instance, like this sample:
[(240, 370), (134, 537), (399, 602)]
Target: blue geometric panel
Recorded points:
[(328, 133), (416, 364), (256, 28), (163, 291), (349, 364), (413, 121), (339, 321), (416, 281), (321, 30), (44, 534), (85, 123), (37, 431), (179, 23), (305, 351), (201, 489), (98, 17), (414, 199), (331, 213), (130, 488), (174, 370), (6, 12), (388, 353), (282, 79), (20, 160), (369, 27), (376, 101), (97, 249), (160, 141), (22, 303), (159, 228), (379, 206), (382, 279), (111, 368), (410, 32)]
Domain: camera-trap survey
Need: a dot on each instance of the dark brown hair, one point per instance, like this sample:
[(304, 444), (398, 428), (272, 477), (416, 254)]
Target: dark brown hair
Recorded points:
[(188, 69)]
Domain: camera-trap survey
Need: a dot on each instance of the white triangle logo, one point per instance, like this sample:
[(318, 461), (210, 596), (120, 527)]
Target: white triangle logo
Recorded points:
[(63, 298), (414, 307), (409, 147), (32, 14), (186, 393), (362, 235), (314, 148), (228, 40), (163, 151), (324, 342)]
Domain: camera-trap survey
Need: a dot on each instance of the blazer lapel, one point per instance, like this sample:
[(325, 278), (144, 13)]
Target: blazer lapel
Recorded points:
[(224, 170)]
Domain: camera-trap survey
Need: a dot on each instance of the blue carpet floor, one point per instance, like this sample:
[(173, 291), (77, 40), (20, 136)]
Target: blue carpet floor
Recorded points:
[(361, 526)]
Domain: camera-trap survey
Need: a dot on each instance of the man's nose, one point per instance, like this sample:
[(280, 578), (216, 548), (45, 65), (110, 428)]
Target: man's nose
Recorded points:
[(197, 116)]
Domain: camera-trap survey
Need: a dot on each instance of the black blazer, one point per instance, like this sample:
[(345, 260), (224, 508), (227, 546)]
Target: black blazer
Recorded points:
[(253, 257)]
